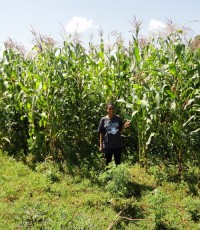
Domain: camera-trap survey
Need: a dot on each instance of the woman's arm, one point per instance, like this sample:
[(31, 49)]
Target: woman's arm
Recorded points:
[(101, 142)]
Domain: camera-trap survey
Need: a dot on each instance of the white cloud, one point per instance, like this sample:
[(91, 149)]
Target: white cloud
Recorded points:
[(156, 25), (78, 24)]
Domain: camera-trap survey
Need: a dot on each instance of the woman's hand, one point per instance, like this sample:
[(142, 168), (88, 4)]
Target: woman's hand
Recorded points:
[(127, 124)]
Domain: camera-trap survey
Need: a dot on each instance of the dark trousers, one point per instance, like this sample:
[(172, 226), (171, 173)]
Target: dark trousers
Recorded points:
[(110, 152)]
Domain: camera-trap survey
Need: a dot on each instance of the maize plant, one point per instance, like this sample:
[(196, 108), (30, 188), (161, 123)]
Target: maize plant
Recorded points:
[(165, 97), (52, 99)]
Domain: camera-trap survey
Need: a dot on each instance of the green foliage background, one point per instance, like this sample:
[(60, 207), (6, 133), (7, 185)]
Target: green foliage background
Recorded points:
[(53, 98)]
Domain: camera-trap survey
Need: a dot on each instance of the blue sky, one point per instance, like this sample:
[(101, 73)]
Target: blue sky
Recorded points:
[(53, 18)]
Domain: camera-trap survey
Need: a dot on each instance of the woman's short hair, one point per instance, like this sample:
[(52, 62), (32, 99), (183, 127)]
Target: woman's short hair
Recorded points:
[(110, 104)]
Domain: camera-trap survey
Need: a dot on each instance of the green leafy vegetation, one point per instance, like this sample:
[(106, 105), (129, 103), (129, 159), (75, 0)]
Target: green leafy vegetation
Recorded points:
[(123, 197), (52, 175), (52, 99)]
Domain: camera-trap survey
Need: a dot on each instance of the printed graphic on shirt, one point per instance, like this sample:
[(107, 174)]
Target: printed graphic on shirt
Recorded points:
[(112, 127)]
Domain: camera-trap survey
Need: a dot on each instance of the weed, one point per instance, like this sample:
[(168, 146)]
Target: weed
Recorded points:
[(192, 206), (116, 180), (50, 170)]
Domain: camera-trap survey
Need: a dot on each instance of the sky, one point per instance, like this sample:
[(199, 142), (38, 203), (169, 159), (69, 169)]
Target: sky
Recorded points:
[(56, 18)]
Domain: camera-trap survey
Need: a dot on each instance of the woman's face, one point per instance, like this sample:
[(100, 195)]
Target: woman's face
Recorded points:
[(110, 110)]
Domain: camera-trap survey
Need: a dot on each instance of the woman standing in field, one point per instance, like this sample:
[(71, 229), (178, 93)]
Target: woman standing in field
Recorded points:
[(110, 128)]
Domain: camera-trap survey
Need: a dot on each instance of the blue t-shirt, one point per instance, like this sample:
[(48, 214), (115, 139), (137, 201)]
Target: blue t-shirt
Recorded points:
[(111, 130)]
